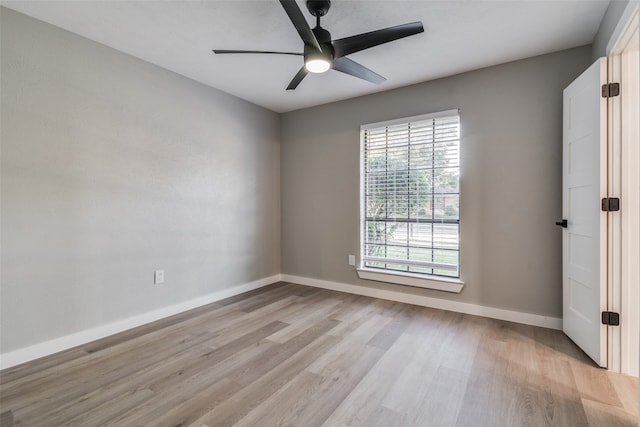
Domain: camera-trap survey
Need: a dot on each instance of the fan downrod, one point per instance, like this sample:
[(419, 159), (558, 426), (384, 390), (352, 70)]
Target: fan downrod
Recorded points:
[(318, 8)]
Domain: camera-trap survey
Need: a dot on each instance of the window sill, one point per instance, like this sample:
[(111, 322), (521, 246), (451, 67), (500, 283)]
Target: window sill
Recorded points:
[(415, 280)]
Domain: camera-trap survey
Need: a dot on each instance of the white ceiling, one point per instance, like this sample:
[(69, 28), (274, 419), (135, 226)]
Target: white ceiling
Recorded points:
[(460, 35)]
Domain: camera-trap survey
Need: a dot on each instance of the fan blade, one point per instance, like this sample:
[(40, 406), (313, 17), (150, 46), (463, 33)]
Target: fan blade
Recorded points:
[(298, 78), (219, 51), (298, 20), (363, 41), (347, 66)]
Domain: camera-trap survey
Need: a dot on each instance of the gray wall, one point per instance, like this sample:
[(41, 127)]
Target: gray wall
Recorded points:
[(511, 183), (112, 168), (607, 26)]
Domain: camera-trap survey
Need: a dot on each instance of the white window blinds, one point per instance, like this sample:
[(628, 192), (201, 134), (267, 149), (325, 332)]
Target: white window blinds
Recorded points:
[(410, 195)]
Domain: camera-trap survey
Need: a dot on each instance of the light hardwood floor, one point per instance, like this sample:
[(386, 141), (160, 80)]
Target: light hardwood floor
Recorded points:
[(293, 355)]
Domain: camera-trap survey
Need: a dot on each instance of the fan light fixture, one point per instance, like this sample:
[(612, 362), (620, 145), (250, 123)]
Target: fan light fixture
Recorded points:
[(317, 65), (318, 61)]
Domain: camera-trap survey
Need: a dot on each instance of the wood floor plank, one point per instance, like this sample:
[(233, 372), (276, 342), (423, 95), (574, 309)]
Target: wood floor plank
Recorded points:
[(153, 337), (348, 345), (158, 376), (562, 403), (420, 371), (441, 403), (70, 384), (483, 403), (225, 332), (186, 370), (626, 388), (594, 384), (276, 370), (337, 381), (311, 397), (357, 305), (247, 298), (285, 404), (306, 291), (360, 312), (6, 419), (104, 413), (197, 405), (522, 397), (115, 367), (373, 388), (549, 341), (302, 320), (414, 374), (388, 335), (461, 344), (36, 367), (266, 299), (382, 416), (295, 355), (601, 414)]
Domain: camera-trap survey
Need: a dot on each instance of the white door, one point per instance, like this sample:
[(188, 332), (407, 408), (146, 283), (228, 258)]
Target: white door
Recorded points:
[(584, 240)]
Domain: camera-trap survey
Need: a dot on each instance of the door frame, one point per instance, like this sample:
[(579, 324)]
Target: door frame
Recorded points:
[(623, 240)]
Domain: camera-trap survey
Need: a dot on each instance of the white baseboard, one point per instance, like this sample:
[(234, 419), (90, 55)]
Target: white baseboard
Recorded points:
[(459, 307), (46, 348)]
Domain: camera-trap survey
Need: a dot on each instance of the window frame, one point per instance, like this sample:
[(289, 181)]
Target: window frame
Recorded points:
[(422, 280)]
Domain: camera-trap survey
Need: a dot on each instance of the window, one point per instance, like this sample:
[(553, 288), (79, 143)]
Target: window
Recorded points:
[(410, 196)]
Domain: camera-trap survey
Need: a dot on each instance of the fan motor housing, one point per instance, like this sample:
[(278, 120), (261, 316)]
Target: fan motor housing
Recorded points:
[(326, 54), (323, 36), (318, 7)]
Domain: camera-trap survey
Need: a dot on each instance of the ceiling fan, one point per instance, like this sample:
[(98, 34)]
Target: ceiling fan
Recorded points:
[(321, 53)]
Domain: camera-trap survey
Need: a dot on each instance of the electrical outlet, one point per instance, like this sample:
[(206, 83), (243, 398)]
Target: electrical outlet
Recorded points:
[(158, 277), (352, 260)]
